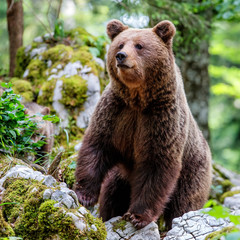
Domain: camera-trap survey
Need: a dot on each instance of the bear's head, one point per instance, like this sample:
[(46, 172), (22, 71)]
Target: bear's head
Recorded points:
[(136, 56)]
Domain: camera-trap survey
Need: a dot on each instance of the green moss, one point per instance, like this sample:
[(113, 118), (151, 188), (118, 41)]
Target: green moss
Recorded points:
[(218, 234), (22, 61), (60, 52), (36, 218), (52, 221), (5, 228), (74, 92), (36, 69), (68, 167), (228, 194), (101, 233), (23, 88), (83, 55), (81, 36), (46, 97), (16, 192), (119, 224), (227, 185)]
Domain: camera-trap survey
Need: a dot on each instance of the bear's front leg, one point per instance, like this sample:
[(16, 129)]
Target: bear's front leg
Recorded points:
[(92, 166), (152, 185), (88, 177)]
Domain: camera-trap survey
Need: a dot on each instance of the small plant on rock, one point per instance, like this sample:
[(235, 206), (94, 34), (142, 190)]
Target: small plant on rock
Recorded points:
[(16, 127)]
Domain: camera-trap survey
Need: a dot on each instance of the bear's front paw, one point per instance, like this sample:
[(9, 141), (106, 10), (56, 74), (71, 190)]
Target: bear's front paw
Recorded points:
[(137, 220), (86, 199)]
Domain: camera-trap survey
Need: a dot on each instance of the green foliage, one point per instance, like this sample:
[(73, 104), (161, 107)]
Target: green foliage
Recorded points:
[(16, 129), (224, 117), (231, 81), (11, 238), (59, 33), (193, 19)]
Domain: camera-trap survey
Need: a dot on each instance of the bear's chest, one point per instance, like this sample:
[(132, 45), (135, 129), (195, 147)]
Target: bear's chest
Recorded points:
[(125, 130)]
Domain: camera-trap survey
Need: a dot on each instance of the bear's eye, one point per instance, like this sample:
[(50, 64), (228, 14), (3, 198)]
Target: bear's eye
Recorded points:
[(121, 46), (138, 46)]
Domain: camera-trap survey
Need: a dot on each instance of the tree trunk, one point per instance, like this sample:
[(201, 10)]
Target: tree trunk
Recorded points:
[(194, 68), (15, 30)]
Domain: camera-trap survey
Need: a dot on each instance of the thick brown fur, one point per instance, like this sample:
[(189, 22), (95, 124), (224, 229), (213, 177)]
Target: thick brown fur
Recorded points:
[(143, 152), (45, 128)]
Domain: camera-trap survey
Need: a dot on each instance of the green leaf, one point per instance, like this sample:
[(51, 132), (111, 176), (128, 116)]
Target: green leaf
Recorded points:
[(235, 219), (13, 134), (51, 118), (6, 85), (219, 212)]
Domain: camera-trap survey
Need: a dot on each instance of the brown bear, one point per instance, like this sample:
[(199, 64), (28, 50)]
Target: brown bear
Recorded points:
[(143, 154), (45, 128)]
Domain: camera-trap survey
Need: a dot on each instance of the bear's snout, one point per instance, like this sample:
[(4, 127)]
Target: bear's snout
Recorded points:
[(121, 56)]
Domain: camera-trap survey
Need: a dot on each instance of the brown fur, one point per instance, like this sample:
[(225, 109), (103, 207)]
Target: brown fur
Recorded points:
[(143, 152), (45, 128)]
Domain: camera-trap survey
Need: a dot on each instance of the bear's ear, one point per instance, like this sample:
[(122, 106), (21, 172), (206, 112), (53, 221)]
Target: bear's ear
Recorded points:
[(114, 27), (166, 31)]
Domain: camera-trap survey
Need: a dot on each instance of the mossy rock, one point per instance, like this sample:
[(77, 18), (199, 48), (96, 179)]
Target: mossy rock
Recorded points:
[(23, 88), (22, 61), (220, 184), (67, 167), (7, 162), (219, 234), (228, 194), (36, 218), (36, 70), (45, 96), (49, 65), (5, 228), (119, 224), (58, 53), (74, 92)]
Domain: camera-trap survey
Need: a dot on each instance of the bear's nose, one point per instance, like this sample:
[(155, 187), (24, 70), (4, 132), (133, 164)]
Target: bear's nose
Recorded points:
[(121, 56)]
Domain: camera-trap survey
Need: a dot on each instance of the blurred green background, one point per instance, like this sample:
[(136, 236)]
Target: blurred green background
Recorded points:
[(215, 21)]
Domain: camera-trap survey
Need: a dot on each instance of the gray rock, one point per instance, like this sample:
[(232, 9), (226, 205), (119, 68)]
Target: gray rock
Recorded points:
[(38, 39), (23, 172), (25, 74), (77, 147), (83, 210), (59, 107), (49, 181), (78, 222), (37, 51), (93, 93), (232, 176), (27, 49), (195, 225), (49, 63), (232, 202), (47, 194), (150, 232)]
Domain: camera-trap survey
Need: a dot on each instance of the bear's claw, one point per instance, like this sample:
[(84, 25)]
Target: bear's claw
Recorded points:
[(86, 200), (136, 220)]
